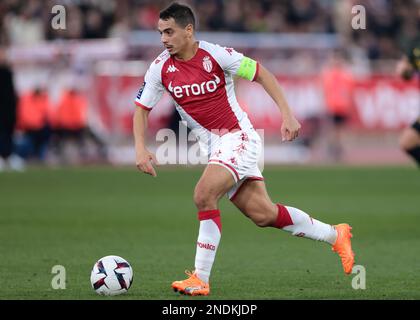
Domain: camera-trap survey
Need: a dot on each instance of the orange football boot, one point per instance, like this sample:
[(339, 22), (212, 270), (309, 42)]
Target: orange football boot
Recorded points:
[(192, 286), (343, 246)]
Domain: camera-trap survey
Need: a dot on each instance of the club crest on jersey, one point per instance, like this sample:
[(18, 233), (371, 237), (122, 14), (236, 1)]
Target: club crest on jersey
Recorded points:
[(207, 64)]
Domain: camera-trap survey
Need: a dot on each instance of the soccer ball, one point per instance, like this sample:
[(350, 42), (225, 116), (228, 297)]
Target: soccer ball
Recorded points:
[(111, 275)]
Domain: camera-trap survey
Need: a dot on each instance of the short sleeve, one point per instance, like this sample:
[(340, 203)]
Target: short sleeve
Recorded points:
[(233, 62), (152, 89), (230, 59)]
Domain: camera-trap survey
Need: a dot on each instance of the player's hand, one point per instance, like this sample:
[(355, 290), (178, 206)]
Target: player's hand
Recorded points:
[(404, 68), (289, 128), (145, 161)]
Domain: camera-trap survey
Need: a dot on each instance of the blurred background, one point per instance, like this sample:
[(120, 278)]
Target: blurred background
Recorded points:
[(75, 87)]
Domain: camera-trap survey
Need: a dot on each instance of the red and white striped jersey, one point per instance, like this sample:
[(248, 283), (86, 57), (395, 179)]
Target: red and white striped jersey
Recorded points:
[(202, 88)]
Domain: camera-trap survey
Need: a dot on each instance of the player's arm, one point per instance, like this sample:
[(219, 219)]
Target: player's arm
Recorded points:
[(143, 156), (147, 97), (290, 126), (239, 65)]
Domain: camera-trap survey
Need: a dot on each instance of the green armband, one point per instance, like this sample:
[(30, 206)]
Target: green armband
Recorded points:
[(247, 69)]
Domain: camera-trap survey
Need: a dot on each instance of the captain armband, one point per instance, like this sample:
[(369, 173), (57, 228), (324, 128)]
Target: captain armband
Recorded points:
[(248, 69)]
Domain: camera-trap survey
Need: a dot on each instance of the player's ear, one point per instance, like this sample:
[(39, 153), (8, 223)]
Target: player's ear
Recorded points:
[(189, 29)]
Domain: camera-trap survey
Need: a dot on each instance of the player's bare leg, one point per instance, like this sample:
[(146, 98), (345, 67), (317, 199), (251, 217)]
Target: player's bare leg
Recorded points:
[(253, 201), (213, 184), (410, 143)]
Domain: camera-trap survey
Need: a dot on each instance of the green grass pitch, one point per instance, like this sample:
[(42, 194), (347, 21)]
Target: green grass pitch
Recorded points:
[(72, 217)]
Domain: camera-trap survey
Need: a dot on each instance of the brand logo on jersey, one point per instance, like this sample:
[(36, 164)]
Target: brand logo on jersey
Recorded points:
[(141, 90), (207, 64), (171, 68), (229, 50), (195, 88)]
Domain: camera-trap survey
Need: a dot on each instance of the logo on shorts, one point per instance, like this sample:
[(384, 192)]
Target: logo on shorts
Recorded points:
[(244, 137), (207, 64), (240, 149)]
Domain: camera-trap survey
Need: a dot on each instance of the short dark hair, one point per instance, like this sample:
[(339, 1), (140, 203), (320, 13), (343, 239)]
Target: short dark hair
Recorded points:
[(182, 14)]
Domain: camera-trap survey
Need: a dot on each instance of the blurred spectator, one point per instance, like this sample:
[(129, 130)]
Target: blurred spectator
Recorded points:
[(338, 85), (70, 123), (8, 101), (94, 25), (71, 112), (301, 14), (146, 16), (33, 121), (24, 23), (120, 28), (232, 18), (389, 22), (210, 18)]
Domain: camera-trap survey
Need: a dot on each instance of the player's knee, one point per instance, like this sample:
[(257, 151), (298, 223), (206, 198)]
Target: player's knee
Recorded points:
[(204, 200), (404, 144), (407, 140)]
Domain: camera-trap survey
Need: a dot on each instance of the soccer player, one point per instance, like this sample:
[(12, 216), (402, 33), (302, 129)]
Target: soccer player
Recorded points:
[(199, 77), (407, 68)]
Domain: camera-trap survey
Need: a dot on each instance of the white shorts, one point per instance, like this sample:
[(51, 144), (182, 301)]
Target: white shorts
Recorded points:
[(239, 153)]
